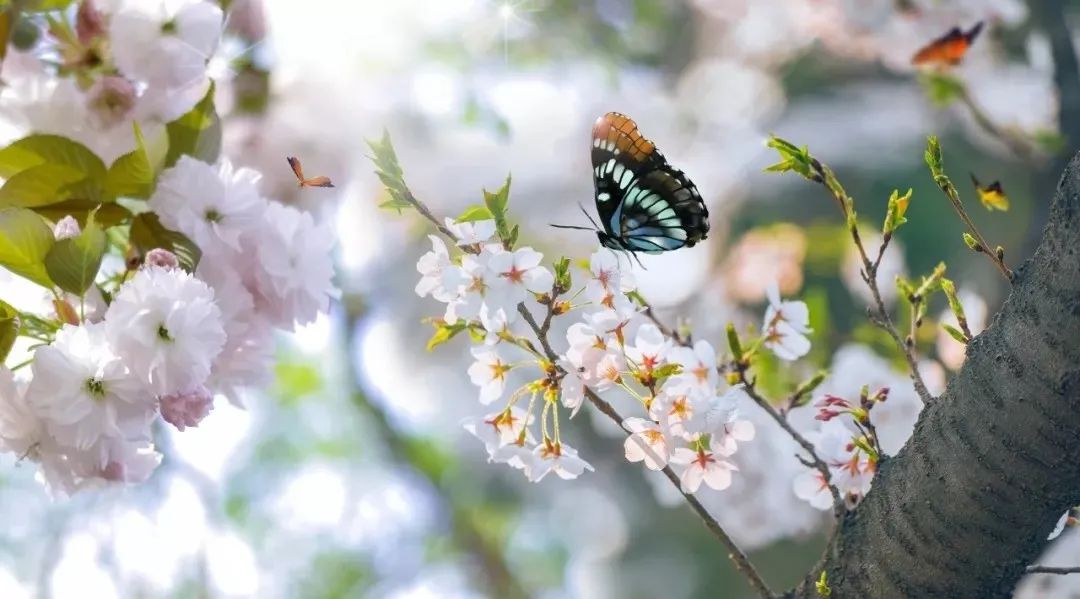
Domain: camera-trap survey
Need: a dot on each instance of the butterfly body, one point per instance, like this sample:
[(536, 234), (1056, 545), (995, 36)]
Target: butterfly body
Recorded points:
[(948, 49), (645, 204), (992, 196)]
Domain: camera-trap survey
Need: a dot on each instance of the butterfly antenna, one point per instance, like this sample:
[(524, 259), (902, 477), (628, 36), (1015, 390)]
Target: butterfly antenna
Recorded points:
[(588, 216), (571, 227)]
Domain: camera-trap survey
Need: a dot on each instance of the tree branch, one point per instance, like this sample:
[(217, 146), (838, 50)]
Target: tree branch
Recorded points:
[(965, 506), (1052, 570)]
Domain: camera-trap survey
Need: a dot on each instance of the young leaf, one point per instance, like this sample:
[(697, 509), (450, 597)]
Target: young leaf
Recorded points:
[(562, 275), (497, 203), (941, 88), (822, 585), (148, 233), (197, 133), (25, 240), (389, 172), (73, 263), (894, 216), (40, 185), (954, 333), (474, 213), (9, 329), (132, 175), (933, 156), (444, 332), (50, 149), (792, 158)]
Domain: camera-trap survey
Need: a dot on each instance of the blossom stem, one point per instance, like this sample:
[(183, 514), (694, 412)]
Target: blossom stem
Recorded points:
[(737, 556), (983, 247), (879, 315)]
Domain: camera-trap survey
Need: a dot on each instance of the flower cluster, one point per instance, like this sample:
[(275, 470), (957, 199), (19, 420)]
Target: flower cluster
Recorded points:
[(141, 61), (848, 443)]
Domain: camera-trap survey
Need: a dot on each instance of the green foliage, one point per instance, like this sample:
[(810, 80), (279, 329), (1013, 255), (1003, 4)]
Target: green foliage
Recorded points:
[(133, 174), (734, 344), (563, 280), (389, 172), (955, 333), (9, 329), (822, 585), (148, 233), (497, 203), (942, 88), (50, 149), (39, 185), (474, 213), (25, 240), (296, 380), (805, 392), (425, 455), (445, 332), (47, 5), (1049, 140), (73, 263), (196, 134), (933, 157), (894, 216), (792, 158), (971, 242)]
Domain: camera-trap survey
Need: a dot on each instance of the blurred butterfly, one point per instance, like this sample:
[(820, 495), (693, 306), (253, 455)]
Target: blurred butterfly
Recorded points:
[(645, 204), (298, 170), (949, 49), (992, 196)]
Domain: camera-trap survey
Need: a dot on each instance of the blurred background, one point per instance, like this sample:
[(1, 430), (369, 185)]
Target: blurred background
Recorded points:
[(351, 475)]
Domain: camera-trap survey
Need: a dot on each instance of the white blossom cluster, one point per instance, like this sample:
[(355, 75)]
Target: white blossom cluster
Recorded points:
[(150, 66), (169, 341), (690, 414)]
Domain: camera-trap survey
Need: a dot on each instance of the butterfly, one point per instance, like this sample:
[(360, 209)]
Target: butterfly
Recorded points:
[(992, 196), (298, 170), (948, 49), (644, 203)]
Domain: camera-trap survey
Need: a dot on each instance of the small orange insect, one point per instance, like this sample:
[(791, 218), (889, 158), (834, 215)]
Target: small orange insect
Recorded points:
[(992, 196), (949, 49), (319, 181)]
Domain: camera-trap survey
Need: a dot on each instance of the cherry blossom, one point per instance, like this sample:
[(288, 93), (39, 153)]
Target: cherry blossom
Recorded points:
[(165, 42), (471, 233), (698, 367), (559, 458), (489, 373), (502, 435), (646, 443), (786, 326), (186, 409), (440, 278), (702, 466)]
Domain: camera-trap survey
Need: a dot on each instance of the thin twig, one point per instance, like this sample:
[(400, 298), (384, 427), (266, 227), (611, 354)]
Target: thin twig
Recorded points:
[(1052, 570), (946, 186), (1018, 146), (870, 271), (664, 330), (815, 460), (737, 556)]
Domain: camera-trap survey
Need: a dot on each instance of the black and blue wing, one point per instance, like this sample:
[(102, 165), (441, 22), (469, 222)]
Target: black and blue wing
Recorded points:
[(645, 205)]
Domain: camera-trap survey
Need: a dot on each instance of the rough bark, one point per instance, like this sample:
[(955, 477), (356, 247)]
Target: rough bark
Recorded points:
[(993, 463)]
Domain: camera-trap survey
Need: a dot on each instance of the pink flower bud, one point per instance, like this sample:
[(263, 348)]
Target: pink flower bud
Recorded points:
[(111, 100), (826, 415), (66, 228), (186, 409), (161, 257), (115, 472), (89, 23)]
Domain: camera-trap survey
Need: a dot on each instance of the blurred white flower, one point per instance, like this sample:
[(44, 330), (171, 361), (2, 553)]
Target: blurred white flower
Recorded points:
[(559, 458), (850, 469), (186, 408), (571, 387), (210, 204), (1060, 526), (165, 325), (471, 233), (85, 392), (501, 432), (786, 326), (650, 348), (489, 373), (295, 267), (440, 278), (646, 443), (702, 466), (244, 362), (810, 486), (20, 427), (166, 43)]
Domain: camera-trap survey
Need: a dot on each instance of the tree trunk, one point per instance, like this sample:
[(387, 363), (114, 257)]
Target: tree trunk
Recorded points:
[(995, 461)]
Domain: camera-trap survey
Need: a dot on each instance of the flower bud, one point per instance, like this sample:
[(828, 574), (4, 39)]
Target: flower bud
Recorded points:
[(89, 23), (66, 228), (161, 257), (186, 409), (111, 100)]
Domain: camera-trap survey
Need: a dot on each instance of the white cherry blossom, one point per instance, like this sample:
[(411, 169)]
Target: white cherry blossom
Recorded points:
[(471, 233), (165, 42), (702, 466), (786, 326), (489, 373), (440, 278), (646, 443), (559, 458)]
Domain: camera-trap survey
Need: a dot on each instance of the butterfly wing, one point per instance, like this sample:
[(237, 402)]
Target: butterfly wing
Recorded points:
[(948, 49), (317, 182), (297, 170), (644, 204)]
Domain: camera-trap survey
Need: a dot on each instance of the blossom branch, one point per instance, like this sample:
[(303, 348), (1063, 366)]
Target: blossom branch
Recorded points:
[(878, 313), (737, 556)]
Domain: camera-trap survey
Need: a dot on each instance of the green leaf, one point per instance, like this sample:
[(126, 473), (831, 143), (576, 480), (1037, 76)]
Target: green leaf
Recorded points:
[(971, 243), (108, 214), (445, 332), (25, 240), (563, 280), (792, 158), (894, 215), (197, 133), (132, 175), (497, 203), (148, 233), (389, 172), (73, 263), (954, 333), (822, 585), (39, 185), (804, 392), (1049, 140), (734, 344), (933, 156), (474, 213), (50, 149), (47, 5), (9, 329)]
